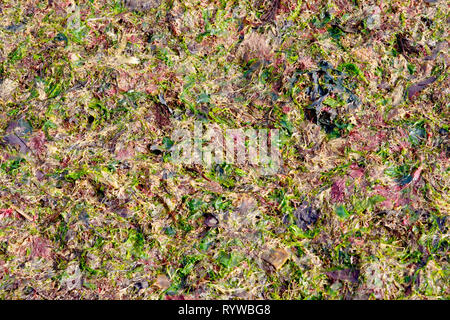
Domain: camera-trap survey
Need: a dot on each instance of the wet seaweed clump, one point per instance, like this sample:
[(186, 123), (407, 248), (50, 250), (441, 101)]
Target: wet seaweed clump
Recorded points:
[(331, 94), (305, 216)]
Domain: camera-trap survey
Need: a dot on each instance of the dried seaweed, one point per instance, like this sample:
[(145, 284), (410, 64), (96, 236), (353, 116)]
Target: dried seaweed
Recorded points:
[(404, 45), (141, 5), (351, 275), (93, 207), (271, 12), (18, 132), (415, 89)]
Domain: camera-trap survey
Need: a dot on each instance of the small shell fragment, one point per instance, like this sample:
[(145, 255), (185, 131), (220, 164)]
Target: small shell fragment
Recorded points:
[(276, 257)]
